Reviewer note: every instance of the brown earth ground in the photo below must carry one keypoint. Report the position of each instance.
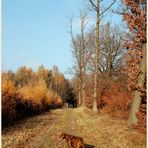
(98, 131)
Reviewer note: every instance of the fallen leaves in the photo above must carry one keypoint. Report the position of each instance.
(100, 131)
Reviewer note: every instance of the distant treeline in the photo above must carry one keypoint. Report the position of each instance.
(26, 93)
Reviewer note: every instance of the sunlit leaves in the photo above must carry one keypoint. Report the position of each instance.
(135, 17)
(27, 92)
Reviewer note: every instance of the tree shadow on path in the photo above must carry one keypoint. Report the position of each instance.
(89, 146)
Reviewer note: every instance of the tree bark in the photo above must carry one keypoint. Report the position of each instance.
(95, 109)
(80, 96)
(137, 94)
(79, 46)
(83, 15)
(84, 88)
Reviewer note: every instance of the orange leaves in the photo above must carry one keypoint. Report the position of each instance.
(50, 97)
(115, 98)
(58, 101)
(53, 98)
(127, 16)
(136, 19)
(34, 92)
(7, 85)
(29, 93)
(9, 97)
(38, 93)
(133, 58)
(23, 76)
(135, 16)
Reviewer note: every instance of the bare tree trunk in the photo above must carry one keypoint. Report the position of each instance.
(84, 88)
(95, 109)
(99, 16)
(80, 96)
(79, 47)
(137, 94)
(83, 56)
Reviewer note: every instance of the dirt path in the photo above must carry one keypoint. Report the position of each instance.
(97, 131)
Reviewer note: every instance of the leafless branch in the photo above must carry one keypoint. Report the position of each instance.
(107, 8)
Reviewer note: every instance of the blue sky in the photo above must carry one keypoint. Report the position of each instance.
(35, 32)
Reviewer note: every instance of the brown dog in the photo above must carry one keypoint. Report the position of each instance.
(73, 141)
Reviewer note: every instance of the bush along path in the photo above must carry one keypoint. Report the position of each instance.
(98, 131)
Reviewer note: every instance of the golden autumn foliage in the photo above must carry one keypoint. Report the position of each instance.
(9, 96)
(34, 92)
(39, 94)
(33, 97)
(7, 85)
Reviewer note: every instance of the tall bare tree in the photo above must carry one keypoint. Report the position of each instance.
(96, 6)
(81, 54)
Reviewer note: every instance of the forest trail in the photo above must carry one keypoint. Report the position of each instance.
(98, 131)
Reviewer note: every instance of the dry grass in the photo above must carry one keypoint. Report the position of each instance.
(98, 131)
(104, 132)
